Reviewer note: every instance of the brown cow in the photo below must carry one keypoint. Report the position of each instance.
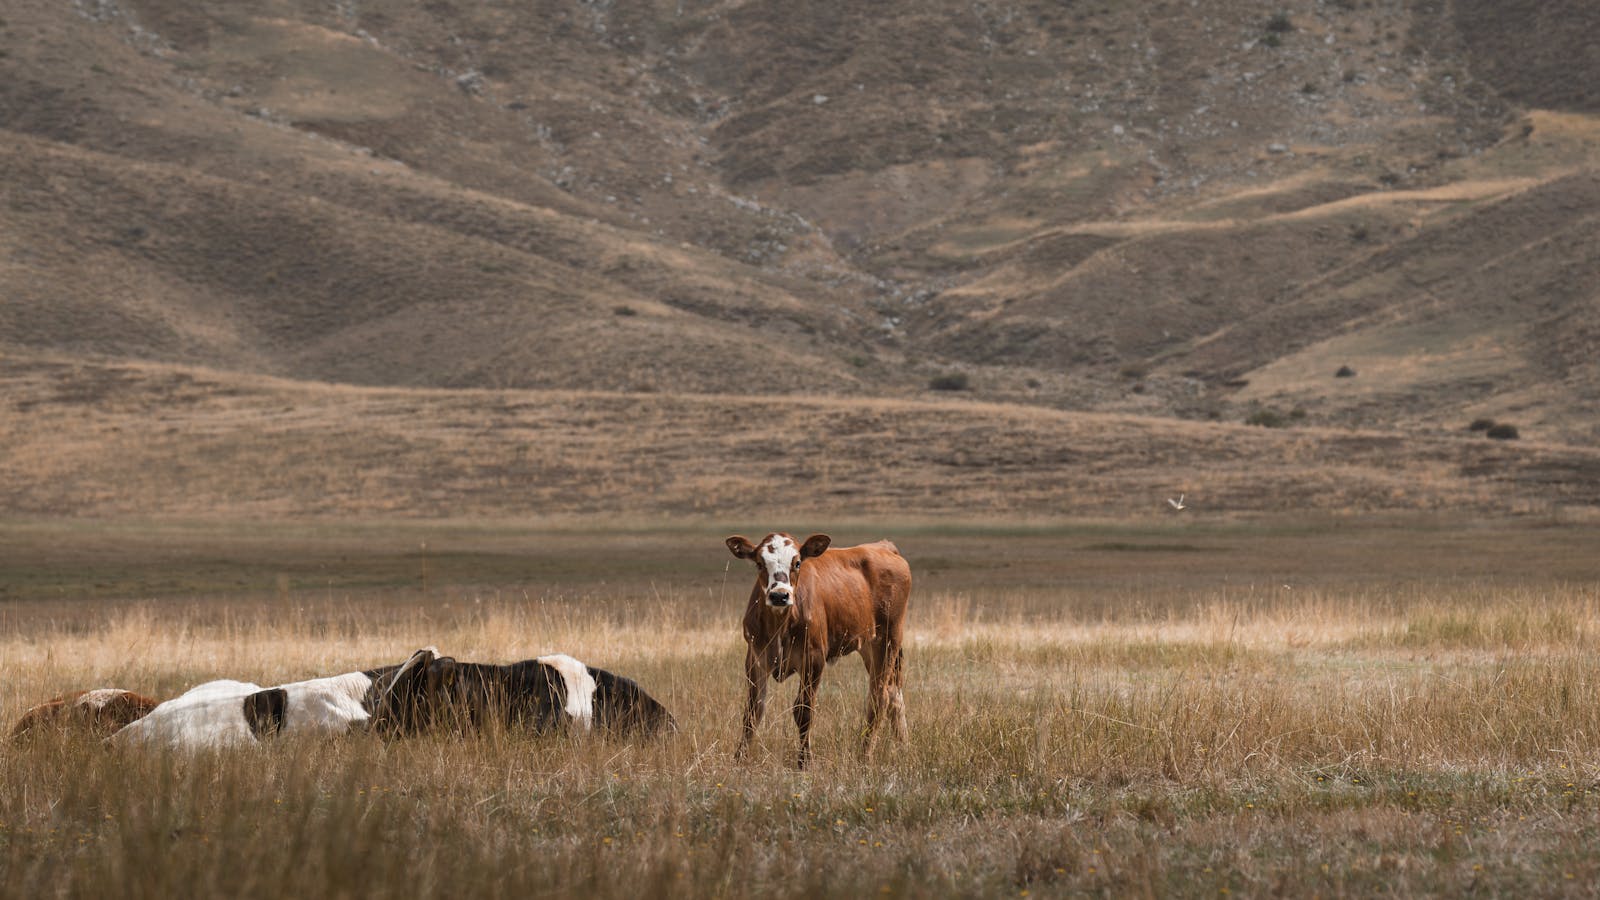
(810, 606)
(100, 712)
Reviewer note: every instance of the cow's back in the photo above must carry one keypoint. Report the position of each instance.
(522, 694)
(863, 591)
(100, 711)
(211, 714)
(880, 567)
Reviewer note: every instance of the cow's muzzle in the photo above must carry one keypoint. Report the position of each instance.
(779, 597)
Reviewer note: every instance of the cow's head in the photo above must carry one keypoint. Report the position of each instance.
(778, 560)
(398, 698)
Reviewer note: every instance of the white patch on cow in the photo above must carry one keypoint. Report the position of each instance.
(207, 715)
(212, 714)
(326, 704)
(777, 555)
(580, 686)
(98, 698)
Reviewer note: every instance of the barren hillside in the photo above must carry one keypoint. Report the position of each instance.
(1190, 209)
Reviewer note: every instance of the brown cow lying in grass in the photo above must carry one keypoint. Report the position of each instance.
(99, 712)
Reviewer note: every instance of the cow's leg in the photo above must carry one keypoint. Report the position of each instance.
(755, 704)
(895, 664)
(877, 695)
(805, 703)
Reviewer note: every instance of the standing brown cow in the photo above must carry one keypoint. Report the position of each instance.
(810, 606)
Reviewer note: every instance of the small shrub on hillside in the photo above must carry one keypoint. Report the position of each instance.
(1345, 372)
(624, 310)
(1267, 417)
(1503, 432)
(1279, 23)
(950, 381)
(1481, 425)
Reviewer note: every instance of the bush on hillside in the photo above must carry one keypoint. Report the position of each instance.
(1503, 432)
(1267, 417)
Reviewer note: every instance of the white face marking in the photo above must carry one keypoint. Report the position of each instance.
(580, 686)
(776, 556)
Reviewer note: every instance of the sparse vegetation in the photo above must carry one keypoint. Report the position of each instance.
(89, 445)
(498, 241)
(1344, 372)
(1184, 721)
(1502, 431)
(591, 266)
(1481, 425)
(1268, 417)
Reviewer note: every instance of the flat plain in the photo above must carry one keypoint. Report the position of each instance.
(1185, 706)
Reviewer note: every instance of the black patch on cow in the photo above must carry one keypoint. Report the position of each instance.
(528, 695)
(621, 706)
(397, 705)
(264, 711)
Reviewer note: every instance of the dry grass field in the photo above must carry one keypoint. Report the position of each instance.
(151, 440)
(333, 330)
(1311, 707)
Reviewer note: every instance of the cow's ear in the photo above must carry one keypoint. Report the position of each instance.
(442, 673)
(740, 546)
(815, 545)
(419, 660)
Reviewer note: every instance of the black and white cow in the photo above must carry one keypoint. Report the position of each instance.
(230, 713)
(542, 695)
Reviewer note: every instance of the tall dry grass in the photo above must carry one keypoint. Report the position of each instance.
(1431, 737)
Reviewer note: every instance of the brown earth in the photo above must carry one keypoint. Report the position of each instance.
(1120, 219)
(150, 440)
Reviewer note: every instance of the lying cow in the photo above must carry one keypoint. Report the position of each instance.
(810, 606)
(541, 695)
(98, 712)
(229, 713)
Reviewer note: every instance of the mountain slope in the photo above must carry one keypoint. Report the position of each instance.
(1184, 209)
